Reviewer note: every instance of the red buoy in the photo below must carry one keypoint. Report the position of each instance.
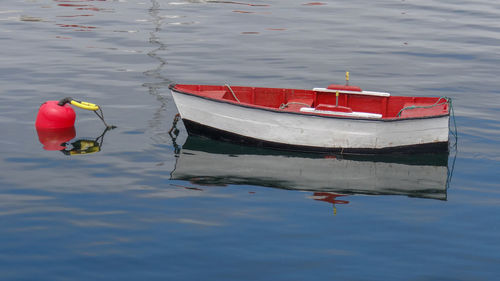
(51, 115)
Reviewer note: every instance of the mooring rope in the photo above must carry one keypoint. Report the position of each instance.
(454, 147)
(283, 106)
(234, 95)
(455, 132)
(101, 116)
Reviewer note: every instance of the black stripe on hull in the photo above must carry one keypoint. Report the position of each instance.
(197, 129)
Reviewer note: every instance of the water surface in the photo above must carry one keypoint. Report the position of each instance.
(154, 205)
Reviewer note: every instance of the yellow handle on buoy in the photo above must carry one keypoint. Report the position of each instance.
(85, 105)
(347, 77)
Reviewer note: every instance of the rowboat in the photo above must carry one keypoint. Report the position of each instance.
(339, 118)
(205, 162)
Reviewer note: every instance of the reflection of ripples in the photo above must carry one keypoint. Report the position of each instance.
(314, 4)
(77, 27)
(160, 82)
(80, 6)
(222, 2)
(154, 39)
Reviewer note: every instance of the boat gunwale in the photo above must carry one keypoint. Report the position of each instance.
(265, 108)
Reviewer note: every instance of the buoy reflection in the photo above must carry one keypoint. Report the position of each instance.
(54, 139)
(64, 140)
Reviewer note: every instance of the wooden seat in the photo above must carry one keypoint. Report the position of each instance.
(341, 113)
(329, 107)
(211, 94)
(214, 94)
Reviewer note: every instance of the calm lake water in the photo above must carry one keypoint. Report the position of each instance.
(154, 205)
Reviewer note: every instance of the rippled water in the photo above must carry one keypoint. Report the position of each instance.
(154, 205)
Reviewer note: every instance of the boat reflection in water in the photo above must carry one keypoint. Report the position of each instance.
(207, 162)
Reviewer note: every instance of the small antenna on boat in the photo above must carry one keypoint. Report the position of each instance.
(347, 78)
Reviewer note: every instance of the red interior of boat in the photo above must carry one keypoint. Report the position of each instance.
(293, 100)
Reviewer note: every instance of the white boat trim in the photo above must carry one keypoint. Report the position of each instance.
(366, 93)
(349, 114)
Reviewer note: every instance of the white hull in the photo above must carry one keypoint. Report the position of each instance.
(311, 131)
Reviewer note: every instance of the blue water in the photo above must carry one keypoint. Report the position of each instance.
(145, 207)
